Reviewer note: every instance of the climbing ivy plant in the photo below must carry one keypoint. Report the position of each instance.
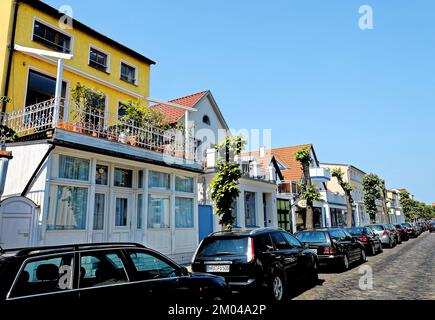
(224, 186)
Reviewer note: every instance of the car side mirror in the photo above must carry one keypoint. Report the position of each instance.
(184, 272)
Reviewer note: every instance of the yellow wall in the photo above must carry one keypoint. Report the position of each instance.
(80, 46)
(6, 20)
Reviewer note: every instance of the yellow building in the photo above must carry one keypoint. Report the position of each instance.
(120, 73)
(81, 178)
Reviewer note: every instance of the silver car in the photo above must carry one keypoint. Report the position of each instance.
(385, 235)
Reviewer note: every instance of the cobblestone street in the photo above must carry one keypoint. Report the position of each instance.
(405, 272)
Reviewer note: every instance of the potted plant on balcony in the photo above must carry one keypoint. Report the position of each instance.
(138, 115)
(89, 105)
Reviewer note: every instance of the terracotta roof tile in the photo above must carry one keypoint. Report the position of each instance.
(173, 114)
(286, 156)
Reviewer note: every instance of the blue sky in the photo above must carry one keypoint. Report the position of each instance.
(302, 68)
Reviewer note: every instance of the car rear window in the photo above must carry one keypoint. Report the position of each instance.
(356, 231)
(406, 225)
(377, 228)
(312, 237)
(223, 247)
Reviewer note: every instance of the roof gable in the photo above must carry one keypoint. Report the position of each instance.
(172, 114)
(286, 156)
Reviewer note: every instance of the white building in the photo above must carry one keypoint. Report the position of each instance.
(95, 187)
(256, 206)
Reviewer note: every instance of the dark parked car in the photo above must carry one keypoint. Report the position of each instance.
(334, 247)
(402, 232)
(266, 257)
(395, 233)
(368, 237)
(410, 229)
(432, 226)
(116, 273)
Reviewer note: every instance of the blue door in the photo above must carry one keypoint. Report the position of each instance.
(205, 221)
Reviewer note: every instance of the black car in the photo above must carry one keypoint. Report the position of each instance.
(432, 226)
(368, 238)
(111, 272)
(404, 236)
(334, 247)
(410, 230)
(264, 258)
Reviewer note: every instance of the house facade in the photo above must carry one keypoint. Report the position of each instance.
(396, 214)
(354, 176)
(291, 210)
(256, 205)
(87, 174)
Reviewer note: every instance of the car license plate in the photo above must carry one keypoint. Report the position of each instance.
(218, 268)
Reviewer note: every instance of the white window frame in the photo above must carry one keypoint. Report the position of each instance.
(136, 72)
(37, 19)
(92, 46)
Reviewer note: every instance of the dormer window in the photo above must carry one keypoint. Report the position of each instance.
(206, 120)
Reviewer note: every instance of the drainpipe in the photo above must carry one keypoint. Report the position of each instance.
(10, 53)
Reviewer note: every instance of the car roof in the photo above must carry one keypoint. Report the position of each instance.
(34, 251)
(247, 233)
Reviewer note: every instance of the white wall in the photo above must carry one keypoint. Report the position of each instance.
(209, 134)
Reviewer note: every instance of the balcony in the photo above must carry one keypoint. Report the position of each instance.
(320, 175)
(37, 120)
(288, 187)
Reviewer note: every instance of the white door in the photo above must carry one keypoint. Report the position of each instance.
(122, 207)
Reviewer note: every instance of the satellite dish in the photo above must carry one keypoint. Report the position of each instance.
(302, 204)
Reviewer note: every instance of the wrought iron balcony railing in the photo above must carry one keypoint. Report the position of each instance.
(100, 124)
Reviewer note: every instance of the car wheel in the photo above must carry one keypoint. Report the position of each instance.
(363, 257)
(390, 244)
(373, 250)
(345, 263)
(278, 288)
(380, 248)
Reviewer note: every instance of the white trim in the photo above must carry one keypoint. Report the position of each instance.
(71, 45)
(92, 46)
(88, 76)
(136, 71)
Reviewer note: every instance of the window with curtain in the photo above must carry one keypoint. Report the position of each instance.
(184, 184)
(159, 180)
(123, 178)
(139, 210)
(102, 175)
(99, 206)
(121, 212)
(184, 213)
(250, 209)
(67, 208)
(158, 212)
(73, 168)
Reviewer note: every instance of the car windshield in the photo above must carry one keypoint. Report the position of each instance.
(356, 231)
(377, 228)
(398, 226)
(223, 247)
(312, 237)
